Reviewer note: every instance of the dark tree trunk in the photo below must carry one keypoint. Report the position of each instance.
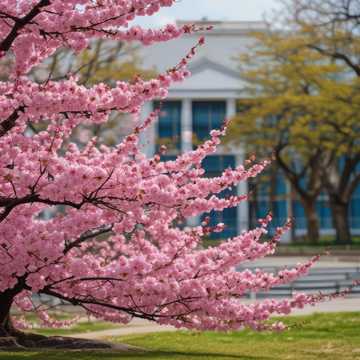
(340, 184)
(340, 218)
(11, 338)
(291, 198)
(254, 205)
(313, 227)
(6, 300)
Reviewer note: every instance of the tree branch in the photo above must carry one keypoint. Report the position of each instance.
(86, 236)
(20, 23)
(10, 122)
(339, 56)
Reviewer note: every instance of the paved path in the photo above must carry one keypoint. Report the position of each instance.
(137, 326)
(339, 305)
(144, 327)
(325, 261)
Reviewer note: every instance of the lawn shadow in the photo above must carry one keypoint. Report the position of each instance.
(197, 355)
(114, 355)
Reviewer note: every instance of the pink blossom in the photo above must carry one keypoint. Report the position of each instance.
(98, 227)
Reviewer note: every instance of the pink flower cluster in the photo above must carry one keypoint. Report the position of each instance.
(102, 227)
(72, 24)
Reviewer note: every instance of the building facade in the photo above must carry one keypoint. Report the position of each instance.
(201, 103)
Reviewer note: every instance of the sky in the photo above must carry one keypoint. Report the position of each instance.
(245, 10)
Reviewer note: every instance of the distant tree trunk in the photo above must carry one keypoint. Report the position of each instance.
(340, 184)
(313, 226)
(307, 194)
(340, 218)
(272, 190)
(254, 205)
(290, 204)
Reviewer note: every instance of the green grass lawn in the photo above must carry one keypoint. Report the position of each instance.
(320, 336)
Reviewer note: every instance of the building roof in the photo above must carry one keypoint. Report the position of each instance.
(216, 65)
(225, 27)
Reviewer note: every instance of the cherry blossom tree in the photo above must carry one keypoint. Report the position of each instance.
(113, 244)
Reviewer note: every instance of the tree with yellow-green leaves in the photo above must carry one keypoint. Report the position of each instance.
(332, 28)
(302, 107)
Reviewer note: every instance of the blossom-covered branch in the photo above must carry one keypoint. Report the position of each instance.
(101, 227)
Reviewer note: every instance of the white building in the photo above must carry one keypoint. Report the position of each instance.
(204, 100)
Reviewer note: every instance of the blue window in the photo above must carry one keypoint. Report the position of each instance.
(269, 195)
(279, 205)
(324, 212)
(207, 115)
(168, 157)
(169, 125)
(299, 215)
(355, 206)
(355, 209)
(322, 209)
(214, 166)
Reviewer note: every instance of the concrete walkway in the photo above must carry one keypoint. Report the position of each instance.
(338, 305)
(325, 261)
(139, 326)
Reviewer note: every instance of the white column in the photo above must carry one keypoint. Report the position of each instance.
(243, 208)
(148, 137)
(230, 108)
(186, 125)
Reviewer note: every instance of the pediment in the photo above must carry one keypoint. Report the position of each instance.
(205, 63)
(208, 75)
